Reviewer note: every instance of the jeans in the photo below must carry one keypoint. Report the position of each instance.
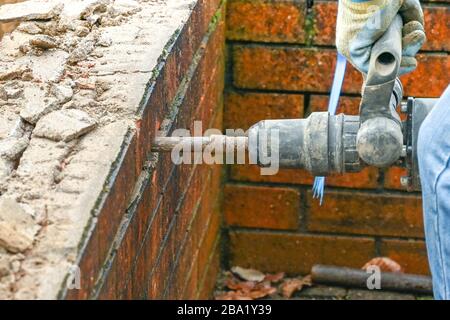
(434, 166)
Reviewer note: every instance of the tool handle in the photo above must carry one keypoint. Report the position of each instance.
(386, 55)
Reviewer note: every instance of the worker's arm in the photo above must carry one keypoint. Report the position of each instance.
(361, 23)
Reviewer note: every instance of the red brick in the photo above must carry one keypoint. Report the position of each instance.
(325, 14)
(242, 110)
(347, 105)
(266, 21)
(112, 205)
(392, 178)
(288, 68)
(430, 78)
(262, 207)
(296, 253)
(367, 213)
(367, 178)
(437, 28)
(212, 271)
(410, 254)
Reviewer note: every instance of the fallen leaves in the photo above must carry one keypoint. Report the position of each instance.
(250, 284)
(290, 286)
(385, 264)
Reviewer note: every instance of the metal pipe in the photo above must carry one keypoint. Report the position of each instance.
(229, 143)
(349, 277)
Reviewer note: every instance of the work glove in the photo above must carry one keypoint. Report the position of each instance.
(360, 23)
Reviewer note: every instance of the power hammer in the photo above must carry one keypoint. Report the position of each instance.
(323, 143)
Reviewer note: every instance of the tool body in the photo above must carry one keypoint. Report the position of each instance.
(324, 143)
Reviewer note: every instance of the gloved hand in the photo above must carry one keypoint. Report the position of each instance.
(361, 23)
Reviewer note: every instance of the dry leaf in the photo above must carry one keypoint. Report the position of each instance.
(385, 264)
(234, 284)
(262, 292)
(274, 278)
(248, 274)
(290, 286)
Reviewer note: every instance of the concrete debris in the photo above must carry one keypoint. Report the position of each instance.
(44, 42)
(17, 227)
(30, 27)
(11, 148)
(4, 265)
(104, 41)
(3, 93)
(64, 125)
(83, 49)
(94, 8)
(125, 7)
(13, 72)
(14, 92)
(63, 93)
(48, 67)
(6, 167)
(82, 31)
(37, 104)
(30, 10)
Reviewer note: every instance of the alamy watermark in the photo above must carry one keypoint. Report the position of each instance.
(374, 280)
(263, 148)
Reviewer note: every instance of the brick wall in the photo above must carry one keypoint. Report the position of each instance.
(281, 59)
(157, 235)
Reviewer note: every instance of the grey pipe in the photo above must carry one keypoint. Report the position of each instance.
(350, 277)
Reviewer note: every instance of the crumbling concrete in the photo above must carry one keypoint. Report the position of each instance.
(72, 77)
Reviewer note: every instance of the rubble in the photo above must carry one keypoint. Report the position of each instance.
(30, 10)
(82, 51)
(37, 104)
(11, 148)
(12, 72)
(64, 125)
(62, 92)
(30, 27)
(44, 42)
(4, 265)
(17, 227)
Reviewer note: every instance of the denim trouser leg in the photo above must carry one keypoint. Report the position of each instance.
(434, 164)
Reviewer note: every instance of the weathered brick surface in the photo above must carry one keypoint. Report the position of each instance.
(306, 69)
(279, 21)
(261, 207)
(288, 69)
(412, 255)
(297, 253)
(367, 179)
(287, 21)
(430, 78)
(368, 214)
(392, 178)
(245, 109)
(347, 105)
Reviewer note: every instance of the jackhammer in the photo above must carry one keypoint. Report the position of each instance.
(324, 144)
